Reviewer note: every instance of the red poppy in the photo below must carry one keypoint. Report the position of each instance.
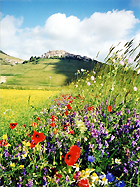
(109, 108)
(13, 125)
(3, 143)
(76, 149)
(83, 183)
(24, 125)
(97, 96)
(72, 156)
(70, 102)
(65, 126)
(34, 124)
(76, 175)
(38, 119)
(33, 144)
(52, 124)
(66, 113)
(38, 137)
(63, 95)
(53, 118)
(53, 173)
(71, 132)
(55, 131)
(69, 107)
(79, 96)
(90, 108)
(69, 97)
(58, 175)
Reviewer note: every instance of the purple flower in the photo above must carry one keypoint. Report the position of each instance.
(67, 178)
(133, 143)
(91, 158)
(122, 62)
(125, 170)
(106, 144)
(94, 133)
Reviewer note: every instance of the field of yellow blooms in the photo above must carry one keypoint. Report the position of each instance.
(20, 105)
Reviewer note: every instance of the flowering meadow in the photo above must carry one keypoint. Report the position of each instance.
(87, 137)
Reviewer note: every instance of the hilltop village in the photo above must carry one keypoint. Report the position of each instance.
(64, 54)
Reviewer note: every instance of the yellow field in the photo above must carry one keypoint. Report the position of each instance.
(15, 105)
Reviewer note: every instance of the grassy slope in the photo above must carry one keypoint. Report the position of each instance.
(4, 55)
(37, 76)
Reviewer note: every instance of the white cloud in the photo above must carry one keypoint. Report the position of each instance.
(84, 37)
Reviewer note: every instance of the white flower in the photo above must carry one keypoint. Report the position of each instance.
(114, 60)
(76, 85)
(92, 78)
(117, 161)
(135, 88)
(101, 84)
(94, 72)
(80, 124)
(76, 166)
(138, 72)
(130, 60)
(94, 177)
(103, 180)
(88, 83)
(82, 70)
(24, 156)
(50, 77)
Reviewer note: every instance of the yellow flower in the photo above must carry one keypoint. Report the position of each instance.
(4, 136)
(12, 164)
(21, 166)
(85, 138)
(8, 145)
(28, 144)
(94, 175)
(24, 142)
(92, 169)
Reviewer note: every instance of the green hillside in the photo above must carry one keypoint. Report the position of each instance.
(47, 73)
(6, 59)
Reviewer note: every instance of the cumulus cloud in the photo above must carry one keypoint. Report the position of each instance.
(84, 37)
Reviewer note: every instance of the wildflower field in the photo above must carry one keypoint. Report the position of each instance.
(87, 136)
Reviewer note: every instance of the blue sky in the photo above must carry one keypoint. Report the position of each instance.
(36, 26)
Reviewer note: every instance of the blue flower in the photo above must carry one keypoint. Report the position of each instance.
(91, 158)
(110, 177)
(120, 184)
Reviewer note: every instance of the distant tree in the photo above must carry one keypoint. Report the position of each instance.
(34, 60)
(26, 61)
(31, 59)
